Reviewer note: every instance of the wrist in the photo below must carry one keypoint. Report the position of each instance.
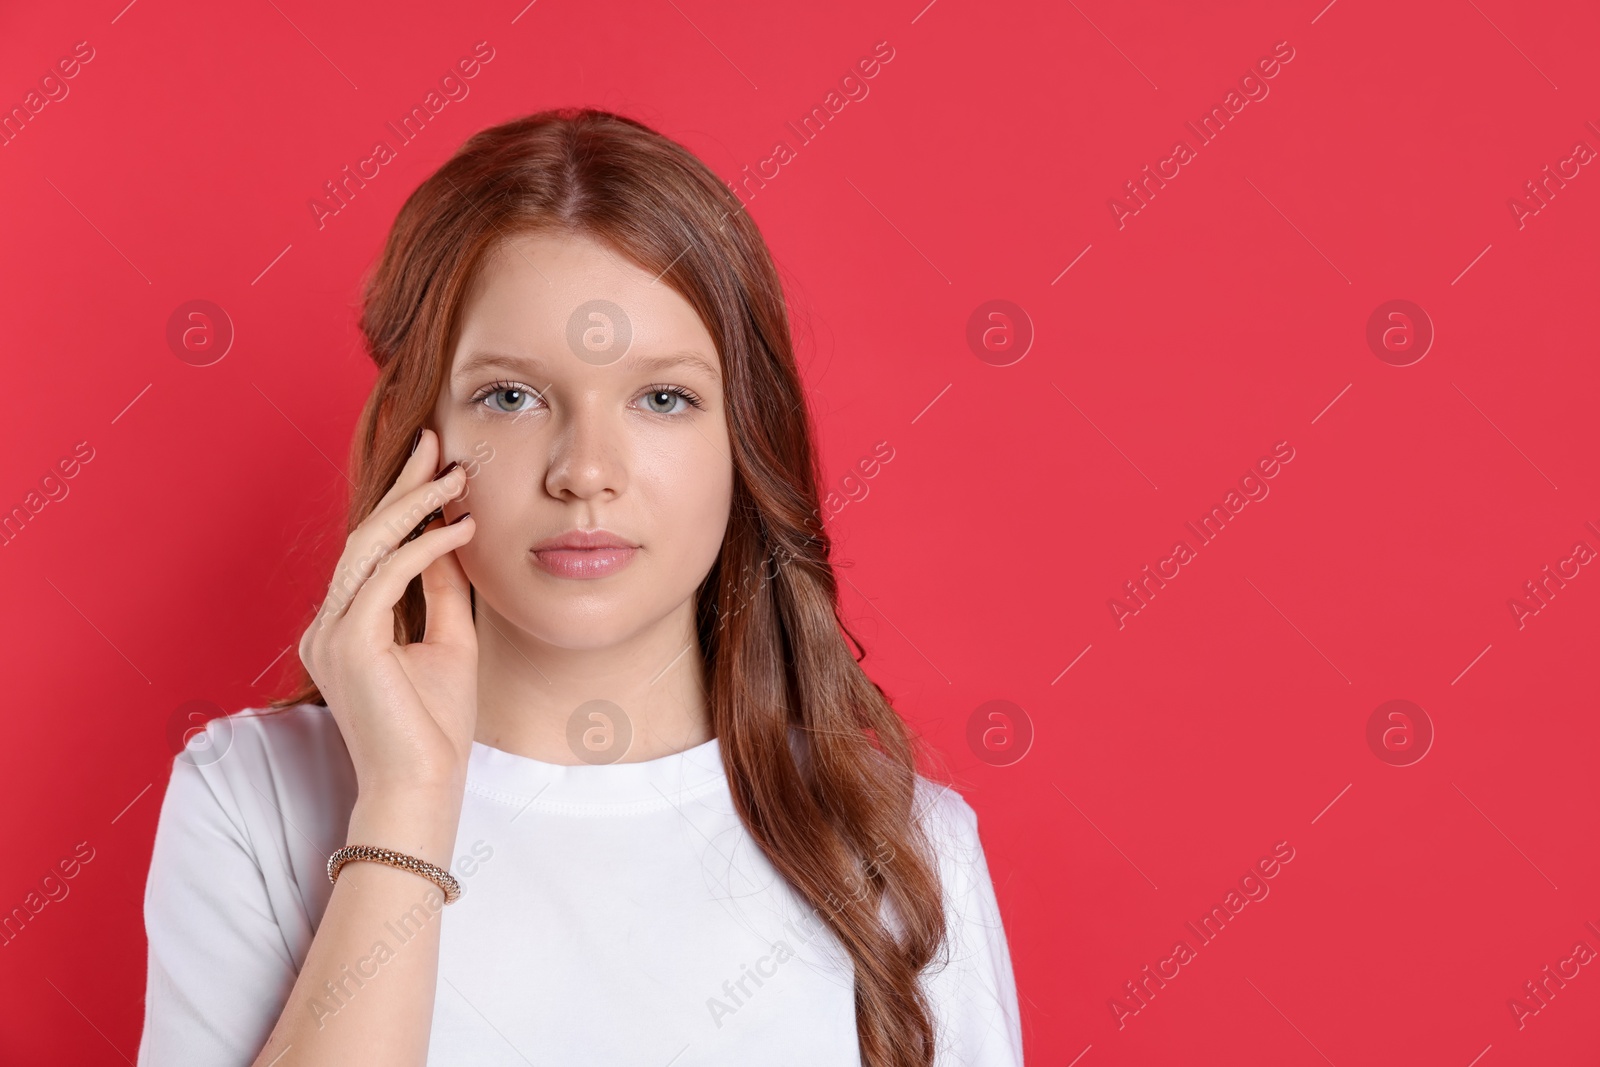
(418, 822)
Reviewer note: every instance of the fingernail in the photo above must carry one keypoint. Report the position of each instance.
(453, 465)
(458, 518)
(416, 439)
(417, 531)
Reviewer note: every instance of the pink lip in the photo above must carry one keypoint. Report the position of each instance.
(583, 554)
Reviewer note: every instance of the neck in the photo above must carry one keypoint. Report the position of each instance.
(576, 706)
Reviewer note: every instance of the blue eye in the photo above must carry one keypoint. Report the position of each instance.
(509, 398)
(665, 397)
(669, 395)
(514, 398)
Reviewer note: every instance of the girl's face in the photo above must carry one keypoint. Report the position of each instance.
(584, 395)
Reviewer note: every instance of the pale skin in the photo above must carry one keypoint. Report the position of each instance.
(572, 442)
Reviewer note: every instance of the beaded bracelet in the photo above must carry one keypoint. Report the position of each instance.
(438, 875)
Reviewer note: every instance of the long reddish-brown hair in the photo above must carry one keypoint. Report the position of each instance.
(839, 821)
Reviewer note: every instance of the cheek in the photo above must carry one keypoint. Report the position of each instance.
(683, 508)
(499, 498)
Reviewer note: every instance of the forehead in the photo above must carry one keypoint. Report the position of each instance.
(543, 294)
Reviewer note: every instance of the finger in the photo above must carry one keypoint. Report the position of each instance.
(418, 467)
(448, 594)
(381, 533)
(371, 612)
(406, 515)
(348, 572)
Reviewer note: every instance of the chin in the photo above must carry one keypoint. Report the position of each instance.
(575, 615)
(583, 633)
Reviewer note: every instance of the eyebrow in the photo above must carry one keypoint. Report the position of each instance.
(478, 361)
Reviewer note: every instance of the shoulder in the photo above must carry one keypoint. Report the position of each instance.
(969, 980)
(237, 881)
(948, 826)
(256, 742)
(950, 823)
(299, 722)
(266, 767)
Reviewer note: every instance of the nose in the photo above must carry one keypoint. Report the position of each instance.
(586, 454)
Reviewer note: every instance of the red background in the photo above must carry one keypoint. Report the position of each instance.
(1228, 315)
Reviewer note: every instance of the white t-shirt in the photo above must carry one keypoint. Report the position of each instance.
(611, 914)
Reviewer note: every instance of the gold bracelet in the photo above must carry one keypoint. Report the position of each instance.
(438, 875)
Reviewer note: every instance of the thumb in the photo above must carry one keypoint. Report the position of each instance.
(448, 596)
